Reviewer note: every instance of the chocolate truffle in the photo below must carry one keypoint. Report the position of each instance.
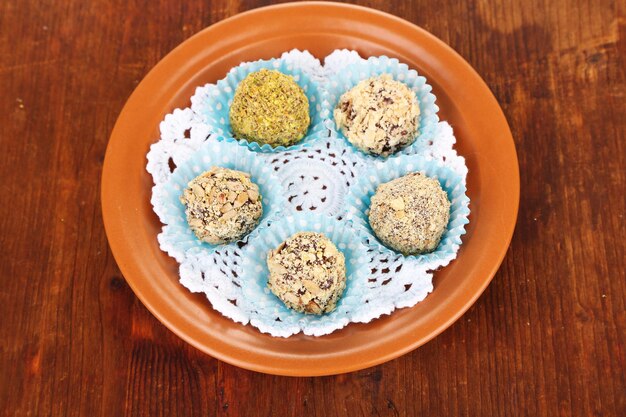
(378, 115)
(269, 107)
(222, 205)
(307, 273)
(410, 213)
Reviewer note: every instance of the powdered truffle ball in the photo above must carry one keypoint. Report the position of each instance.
(379, 115)
(307, 273)
(410, 213)
(270, 107)
(222, 205)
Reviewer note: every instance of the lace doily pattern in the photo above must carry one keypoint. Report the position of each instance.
(218, 276)
(182, 133)
(392, 282)
(316, 181)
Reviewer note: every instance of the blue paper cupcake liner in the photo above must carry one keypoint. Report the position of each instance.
(176, 237)
(384, 171)
(273, 316)
(352, 74)
(212, 103)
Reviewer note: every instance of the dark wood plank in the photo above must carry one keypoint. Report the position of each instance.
(546, 338)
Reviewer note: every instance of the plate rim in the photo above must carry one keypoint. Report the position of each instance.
(112, 224)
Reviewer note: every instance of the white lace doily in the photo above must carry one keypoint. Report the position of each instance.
(315, 178)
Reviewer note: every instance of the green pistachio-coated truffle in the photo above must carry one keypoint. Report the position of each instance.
(270, 107)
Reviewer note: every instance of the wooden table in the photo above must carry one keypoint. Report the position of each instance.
(546, 338)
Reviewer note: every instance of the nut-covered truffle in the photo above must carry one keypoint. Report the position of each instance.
(222, 205)
(307, 273)
(410, 213)
(378, 115)
(270, 107)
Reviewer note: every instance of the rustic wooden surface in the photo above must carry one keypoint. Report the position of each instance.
(546, 338)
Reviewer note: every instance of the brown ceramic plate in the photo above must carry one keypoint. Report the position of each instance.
(466, 103)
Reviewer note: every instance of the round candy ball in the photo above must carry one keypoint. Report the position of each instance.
(307, 273)
(269, 107)
(222, 205)
(378, 115)
(410, 213)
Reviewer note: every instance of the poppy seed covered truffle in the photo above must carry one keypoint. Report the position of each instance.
(410, 213)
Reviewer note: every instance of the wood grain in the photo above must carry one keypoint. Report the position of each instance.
(546, 338)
